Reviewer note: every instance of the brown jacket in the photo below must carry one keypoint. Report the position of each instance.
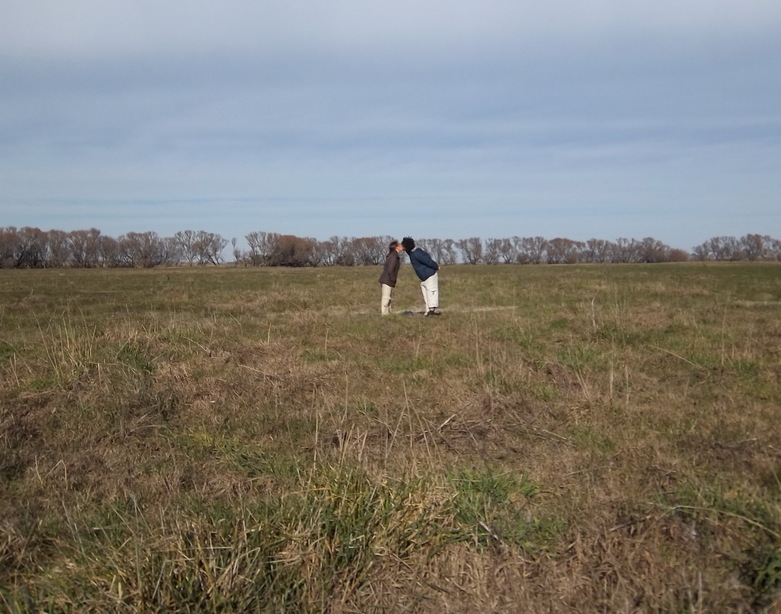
(391, 269)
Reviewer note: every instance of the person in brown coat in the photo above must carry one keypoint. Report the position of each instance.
(388, 276)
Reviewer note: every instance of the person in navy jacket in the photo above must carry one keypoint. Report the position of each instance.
(427, 271)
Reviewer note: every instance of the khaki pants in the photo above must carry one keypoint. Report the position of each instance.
(430, 289)
(386, 300)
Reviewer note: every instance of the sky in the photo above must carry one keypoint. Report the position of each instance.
(429, 118)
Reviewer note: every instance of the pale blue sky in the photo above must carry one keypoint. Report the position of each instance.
(445, 119)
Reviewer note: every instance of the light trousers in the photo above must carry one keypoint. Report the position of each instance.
(386, 299)
(430, 288)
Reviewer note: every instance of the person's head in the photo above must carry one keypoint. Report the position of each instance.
(408, 243)
(394, 246)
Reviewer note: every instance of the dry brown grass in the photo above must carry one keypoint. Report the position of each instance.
(574, 439)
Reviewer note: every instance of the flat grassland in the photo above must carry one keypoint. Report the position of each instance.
(562, 439)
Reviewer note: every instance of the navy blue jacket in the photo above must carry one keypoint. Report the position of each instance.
(422, 263)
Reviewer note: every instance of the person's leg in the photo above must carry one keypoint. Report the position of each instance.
(430, 289)
(424, 290)
(386, 300)
(434, 291)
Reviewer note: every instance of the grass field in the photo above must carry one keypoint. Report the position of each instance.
(563, 439)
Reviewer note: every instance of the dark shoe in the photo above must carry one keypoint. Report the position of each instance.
(433, 312)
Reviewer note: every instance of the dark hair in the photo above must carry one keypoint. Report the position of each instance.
(393, 245)
(408, 243)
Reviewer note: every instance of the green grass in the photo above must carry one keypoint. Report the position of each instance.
(573, 438)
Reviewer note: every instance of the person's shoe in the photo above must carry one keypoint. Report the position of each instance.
(433, 312)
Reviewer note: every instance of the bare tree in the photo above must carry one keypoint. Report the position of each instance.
(563, 251)
(56, 252)
(236, 250)
(651, 250)
(262, 245)
(326, 253)
(370, 250)
(773, 248)
(171, 252)
(443, 251)
(110, 252)
(208, 247)
(318, 254)
(623, 250)
(145, 249)
(471, 249)
(754, 246)
(530, 249)
(724, 248)
(343, 251)
(500, 250)
(597, 250)
(84, 247)
(678, 255)
(8, 240)
(292, 251)
(507, 251)
(186, 240)
(32, 247)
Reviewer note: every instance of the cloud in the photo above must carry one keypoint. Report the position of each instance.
(320, 118)
(149, 28)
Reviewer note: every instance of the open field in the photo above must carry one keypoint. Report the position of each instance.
(563, 439)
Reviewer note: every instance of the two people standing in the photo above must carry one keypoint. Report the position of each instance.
(425, 268)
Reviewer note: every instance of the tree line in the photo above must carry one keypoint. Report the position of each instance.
(34, 248)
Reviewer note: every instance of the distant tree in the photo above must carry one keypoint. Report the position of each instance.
(171, 252)
(651, 250)
(700, 252)
(772, 248)
(493, 250)
(597, 250)
(370, 250)
(471, 249)
(84, 246)
(624, 250)
(443, 251)
(144, 249)
(110, 252)
(8, 240)
(342, 251)
(725, 248)
(208, 247)
(755, 247)
(326, 253)
(262, 246)
(21, 247)
(319, 252)
(56, 253)
(678, 255)
(292, 251)
(531, 250)
(238, 254)
(563, 251)
(186, 240)
(722, 248)
(507, 251)
(31, 248)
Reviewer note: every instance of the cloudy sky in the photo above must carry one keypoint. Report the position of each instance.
(433, 118)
